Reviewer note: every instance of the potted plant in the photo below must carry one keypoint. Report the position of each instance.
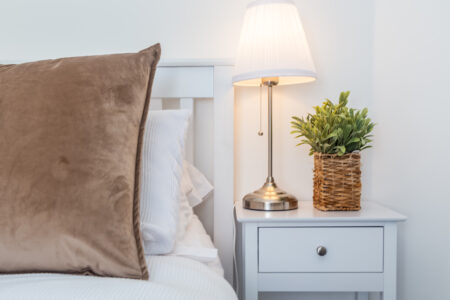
(336, 135)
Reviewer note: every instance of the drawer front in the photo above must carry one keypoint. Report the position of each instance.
(295, 249)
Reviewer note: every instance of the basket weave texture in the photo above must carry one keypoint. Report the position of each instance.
(337, 181)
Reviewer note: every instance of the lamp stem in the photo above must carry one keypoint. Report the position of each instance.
(270, 197)
(269, 103)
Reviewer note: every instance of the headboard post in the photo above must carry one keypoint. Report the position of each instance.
(224, 166)
(189, 81)
(188, 104)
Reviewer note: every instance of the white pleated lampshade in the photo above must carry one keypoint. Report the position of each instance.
(273, 44)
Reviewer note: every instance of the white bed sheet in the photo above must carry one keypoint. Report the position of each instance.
(172, 277)
(197, 245)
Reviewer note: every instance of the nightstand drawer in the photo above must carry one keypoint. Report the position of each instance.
(297, 249)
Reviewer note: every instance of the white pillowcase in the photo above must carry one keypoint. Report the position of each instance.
(201, 187)
(196, 243)
(185, 210)
(162, 169)
(195, 188)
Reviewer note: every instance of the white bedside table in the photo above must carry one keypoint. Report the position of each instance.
(308, 250)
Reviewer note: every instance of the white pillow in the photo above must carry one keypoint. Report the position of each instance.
(196, 243)
(194, 190)
(185, 211)
(162, 169)
(200, 186)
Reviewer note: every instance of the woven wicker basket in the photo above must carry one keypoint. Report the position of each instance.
(337, 181)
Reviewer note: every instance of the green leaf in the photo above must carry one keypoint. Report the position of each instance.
(354, 140)
(340, 150)
(334, 128)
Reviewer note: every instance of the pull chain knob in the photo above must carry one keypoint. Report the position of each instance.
(260, 132)
(321, 251)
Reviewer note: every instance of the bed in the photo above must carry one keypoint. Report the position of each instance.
(171, 277)
(203, 88)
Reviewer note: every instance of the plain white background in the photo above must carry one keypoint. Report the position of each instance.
(392, 54)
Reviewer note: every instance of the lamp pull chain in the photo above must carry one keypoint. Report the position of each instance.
(260, 132)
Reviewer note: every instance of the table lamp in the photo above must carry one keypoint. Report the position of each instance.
(273, 50)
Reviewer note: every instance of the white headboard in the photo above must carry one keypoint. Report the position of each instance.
(205, 88)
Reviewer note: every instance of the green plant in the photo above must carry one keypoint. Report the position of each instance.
(334, 128)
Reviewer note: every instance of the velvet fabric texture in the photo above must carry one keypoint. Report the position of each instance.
(71, 133)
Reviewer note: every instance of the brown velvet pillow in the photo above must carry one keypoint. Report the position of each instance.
(71, 134)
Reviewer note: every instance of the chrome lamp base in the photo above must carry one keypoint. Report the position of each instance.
(270, 198)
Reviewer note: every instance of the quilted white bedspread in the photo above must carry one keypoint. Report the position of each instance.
(171, 278)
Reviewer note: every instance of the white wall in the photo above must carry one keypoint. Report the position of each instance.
(410, 169)
(31, 30)
(392, 55)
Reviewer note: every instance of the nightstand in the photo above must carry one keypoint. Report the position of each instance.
(307, 250)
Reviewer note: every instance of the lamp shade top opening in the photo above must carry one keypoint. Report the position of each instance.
(273, 44)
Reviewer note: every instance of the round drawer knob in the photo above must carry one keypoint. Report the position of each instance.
(321, 251)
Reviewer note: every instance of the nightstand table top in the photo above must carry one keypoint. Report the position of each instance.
(370, 212)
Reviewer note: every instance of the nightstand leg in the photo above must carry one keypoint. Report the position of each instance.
(250, 246)
(362, 296)
(390, 262)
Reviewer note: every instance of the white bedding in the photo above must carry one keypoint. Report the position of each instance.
(197, 245)
(172, 277)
